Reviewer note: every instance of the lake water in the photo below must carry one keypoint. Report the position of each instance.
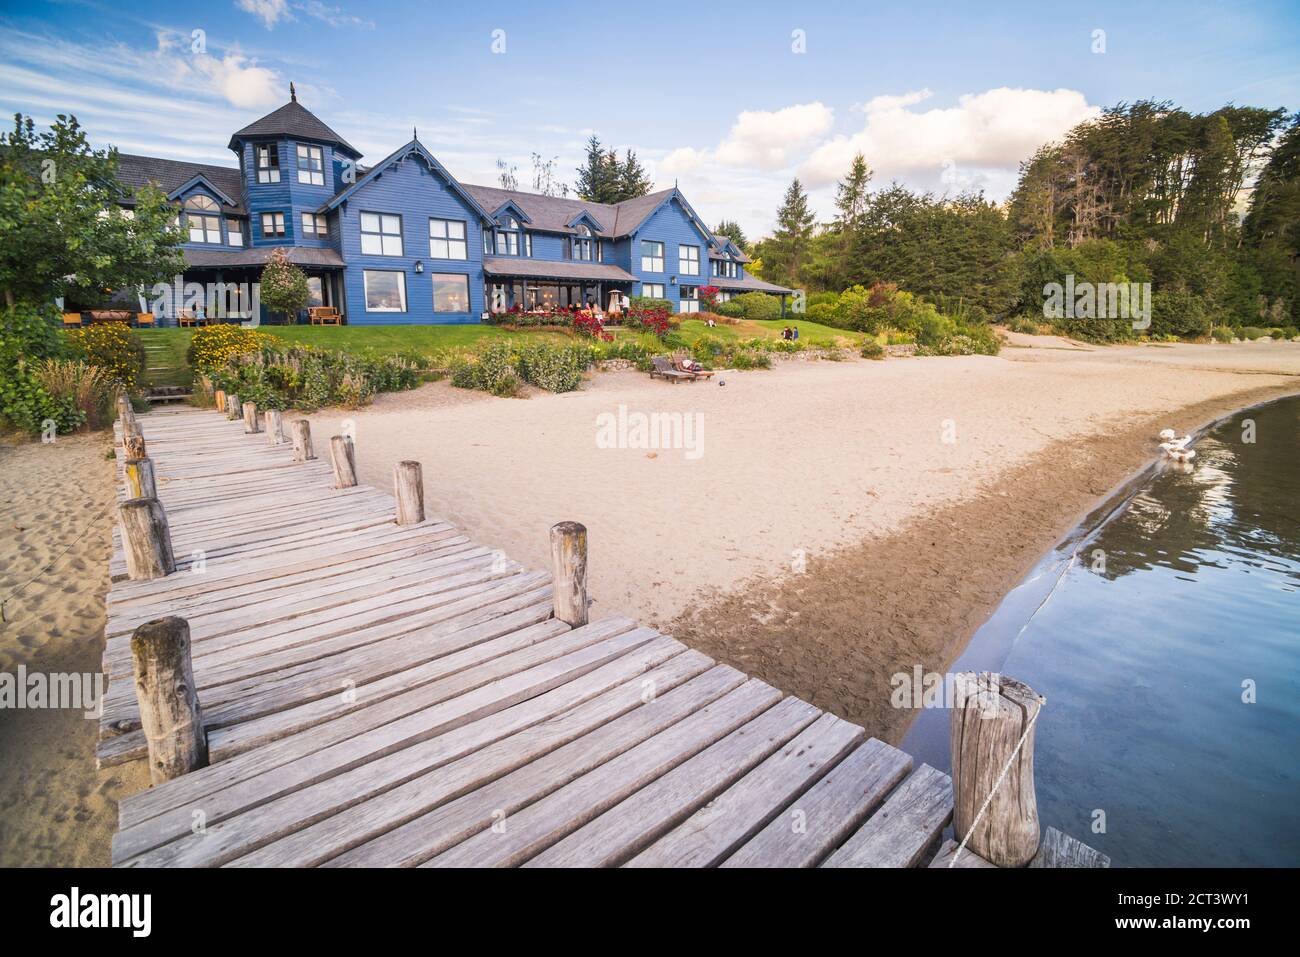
(1165, 635)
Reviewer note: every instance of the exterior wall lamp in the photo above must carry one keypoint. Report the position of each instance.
(419, 265)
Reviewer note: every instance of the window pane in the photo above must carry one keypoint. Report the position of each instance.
(315, 294)
(370, 244)
(369, 223)
(392, 245)
(457, 249)
(456, 230)
(385, 291)
(450, 293)
(392, 224)
(438, 228)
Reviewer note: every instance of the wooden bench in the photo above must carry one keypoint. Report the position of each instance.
(187, 317)
(145, 319)
(71, 319)
(323, 316)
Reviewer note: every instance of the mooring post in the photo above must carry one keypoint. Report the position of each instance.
(251, 422)
(219, 400)
(408, 485)
(302, 450)
(992, 728)
(169, 702)
(140, 482)
(125, 411)
(146, 539)
(233, 407)
(344, 456)
(133, 444)
(274, 426)
(569, 561)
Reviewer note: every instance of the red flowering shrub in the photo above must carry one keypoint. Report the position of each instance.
(652, 318)
(590, 325)
(709, 298)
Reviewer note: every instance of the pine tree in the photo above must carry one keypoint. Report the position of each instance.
(633, 180)
(594, 175)
(851, 195)
(732, 231)
(794, 230)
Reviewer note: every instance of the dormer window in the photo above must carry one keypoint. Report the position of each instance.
(311, 165)
(507, 237)
(582, 244)
(268, 163)
(203, 219)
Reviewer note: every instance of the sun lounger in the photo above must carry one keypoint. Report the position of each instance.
(679, 363)
(663, 367)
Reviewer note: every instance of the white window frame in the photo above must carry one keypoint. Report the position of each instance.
(235, 232)
(365, 279)
(646, 286)
(582, 247)
(275, 233)
(383, 240)
(684, 260)
(688, 303)
(650, 262)
(443, 231)
(313, 173)
(314, 224)
(270, 172)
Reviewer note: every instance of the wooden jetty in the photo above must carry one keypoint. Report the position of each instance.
(376, 693)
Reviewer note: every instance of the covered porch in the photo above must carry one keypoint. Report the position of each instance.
(228, 284)
(542, 286)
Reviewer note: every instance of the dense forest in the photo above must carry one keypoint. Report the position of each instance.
(1204, 207)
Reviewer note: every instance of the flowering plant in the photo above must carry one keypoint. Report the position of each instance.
(709, 298)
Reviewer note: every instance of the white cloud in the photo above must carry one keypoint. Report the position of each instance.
(270, 12)
(762, 139)
(240, 80)
(983, 135)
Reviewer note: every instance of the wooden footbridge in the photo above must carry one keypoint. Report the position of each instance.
(376, 693)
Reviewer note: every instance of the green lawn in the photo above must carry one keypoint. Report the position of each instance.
(165, 348)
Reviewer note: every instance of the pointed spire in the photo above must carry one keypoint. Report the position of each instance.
(293, 94)
(415, 134)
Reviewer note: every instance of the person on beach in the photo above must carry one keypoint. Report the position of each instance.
(795, 334)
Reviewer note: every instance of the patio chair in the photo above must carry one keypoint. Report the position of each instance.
(662, 367)
(679, 363)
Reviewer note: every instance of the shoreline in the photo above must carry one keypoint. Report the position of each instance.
(730, 629)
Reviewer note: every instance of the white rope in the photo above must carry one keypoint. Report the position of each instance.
(996, 784)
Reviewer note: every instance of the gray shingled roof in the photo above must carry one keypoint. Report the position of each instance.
(554, 213)
(134, 171)
(258, 256)
(547, 269)
(293, 119)
(748, 284)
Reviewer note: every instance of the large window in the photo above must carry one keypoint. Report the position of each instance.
(450, 292)
(385, 291)
(652, 256)
(272, 225)
(688, 260)
(381, 234)
(690, 299)
(654, 290)
(315, 291)
(447, 239)
(314, 224)
(582, 244)
(203, 217)
(311, 165)
(268, 163)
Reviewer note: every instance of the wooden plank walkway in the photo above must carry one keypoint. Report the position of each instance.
(376, 694)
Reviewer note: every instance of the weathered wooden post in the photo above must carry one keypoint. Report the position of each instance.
(146, 539)
(251, 422)
(133, 445)
(302, 450)
(408, 484)
(569, 561)
(274, 426)
(140, 482)
(992, 728)
(344, 456)
(169, 702)
(125, 411)
(233, 407)
(219, 400)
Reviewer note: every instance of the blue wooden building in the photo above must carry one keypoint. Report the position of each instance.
(403, 241)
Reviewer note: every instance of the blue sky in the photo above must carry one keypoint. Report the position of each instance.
(714, 96)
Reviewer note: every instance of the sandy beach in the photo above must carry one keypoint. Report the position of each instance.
(56, 809)
(824, 532)
(828, 523)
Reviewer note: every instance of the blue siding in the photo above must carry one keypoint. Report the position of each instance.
(671, 226)
(416, 193)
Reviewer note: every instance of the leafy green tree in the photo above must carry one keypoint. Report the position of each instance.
(284, 286)
(788, 249)
(1271, 231)
(65, 234)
